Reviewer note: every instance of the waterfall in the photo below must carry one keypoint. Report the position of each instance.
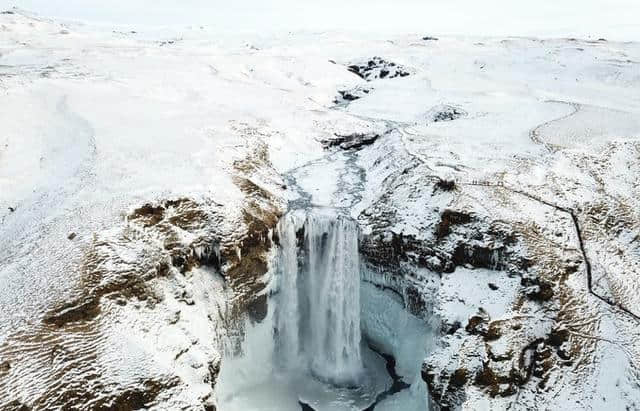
(287, 320)
(318, 311)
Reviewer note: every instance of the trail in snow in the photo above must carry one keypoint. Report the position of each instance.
(534, 134)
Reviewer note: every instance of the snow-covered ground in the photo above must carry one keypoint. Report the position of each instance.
(143, 169)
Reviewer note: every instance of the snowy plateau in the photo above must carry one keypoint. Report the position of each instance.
(193, 219)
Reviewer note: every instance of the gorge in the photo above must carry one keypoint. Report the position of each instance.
(315, 329)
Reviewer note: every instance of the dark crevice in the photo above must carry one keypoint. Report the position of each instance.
(398, 383)
(304, 406)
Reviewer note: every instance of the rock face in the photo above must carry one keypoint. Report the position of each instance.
(540, 320)
(127, 274)
(157, 296)
(514, 351)
(506, 245)
(166, 256)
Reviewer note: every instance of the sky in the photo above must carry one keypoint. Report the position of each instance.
(612, 19)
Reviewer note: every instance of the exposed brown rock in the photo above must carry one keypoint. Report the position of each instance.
(446, 390)
(5, 366)
(414, 301)
(148, 214)
(244, 260)
(494, 383)
(134, 281)
(449, 218)
(537, 289)
(74, 311)
(136, 397)
(445, 185)
(478, 324)
(378, 68)
(16, 405)
(213, 368)
(244, 269)
(493, 332)
(459, 240)
(558, 336)
(459, 377)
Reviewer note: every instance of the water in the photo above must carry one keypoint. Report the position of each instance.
(309, 348)
(287, 320)
(318, 310)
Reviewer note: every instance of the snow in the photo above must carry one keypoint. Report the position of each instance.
(96, 122)
(461, 299)
(591, 18)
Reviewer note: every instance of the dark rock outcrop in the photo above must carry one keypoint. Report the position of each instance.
(346, 96)
(378, 68)
(445, 113)
(446, 390)
(459, 239)
(352, 141)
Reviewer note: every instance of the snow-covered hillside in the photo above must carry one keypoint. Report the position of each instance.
(143, 172)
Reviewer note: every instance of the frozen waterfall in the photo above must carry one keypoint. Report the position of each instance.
(318, 312)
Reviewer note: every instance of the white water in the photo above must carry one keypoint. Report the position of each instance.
(287, 321)
(318, 307)
(309, 347)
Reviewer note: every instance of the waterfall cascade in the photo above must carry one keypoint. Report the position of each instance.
(318, 312)
(309, 352)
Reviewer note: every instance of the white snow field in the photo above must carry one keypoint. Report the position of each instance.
(482, 161)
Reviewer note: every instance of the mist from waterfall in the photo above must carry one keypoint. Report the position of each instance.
(310, 348)
(318, 311)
